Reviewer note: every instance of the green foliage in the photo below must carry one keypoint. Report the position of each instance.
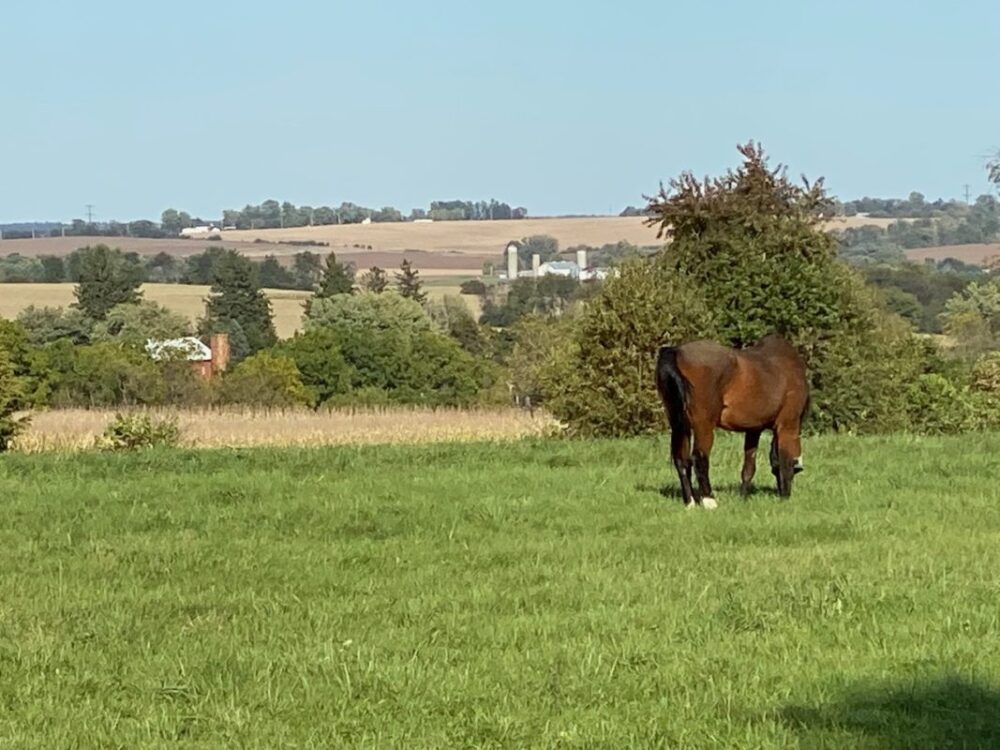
(972, 316)
(936, 405)
(918, 293)
(368, 311)
(106, 278)
(505, 304)
(748, 257)
(338, 278)
(985, 383)
(173, 221)
(14, 342)
(137, 430)
(320, 363)
(273, 275)
(473, 286)
(266, 379)
(408, 283)
(44, 325)
(389, 344)
(202, 268)
(307, 269)
(135, 323)
(104, 374)
(236, 297)
(18, 269)
(11, 400)
(452, 315)
(375, 280)
(603, 384)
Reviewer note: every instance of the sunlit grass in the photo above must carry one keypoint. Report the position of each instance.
(527, 594)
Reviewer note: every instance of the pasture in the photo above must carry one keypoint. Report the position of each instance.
(486, 595)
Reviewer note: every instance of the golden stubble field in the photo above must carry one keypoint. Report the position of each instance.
(189, 300)
(78, 429)
(485, 237)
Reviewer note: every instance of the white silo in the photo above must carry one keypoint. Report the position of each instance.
(512, 261)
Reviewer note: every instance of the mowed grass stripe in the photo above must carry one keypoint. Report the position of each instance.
(532, 594)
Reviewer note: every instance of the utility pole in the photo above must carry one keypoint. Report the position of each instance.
(90, 213)
(966, 194)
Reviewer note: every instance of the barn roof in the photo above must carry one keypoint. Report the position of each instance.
(188, 348)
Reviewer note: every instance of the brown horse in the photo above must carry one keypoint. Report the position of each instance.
(705, 385)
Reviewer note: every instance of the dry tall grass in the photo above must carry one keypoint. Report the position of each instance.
(75, 429)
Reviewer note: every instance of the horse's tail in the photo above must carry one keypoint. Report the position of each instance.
(674, 389)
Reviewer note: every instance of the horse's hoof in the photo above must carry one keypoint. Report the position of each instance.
(708, 503)
(690, 506)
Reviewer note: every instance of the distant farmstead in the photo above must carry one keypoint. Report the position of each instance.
(206, 361)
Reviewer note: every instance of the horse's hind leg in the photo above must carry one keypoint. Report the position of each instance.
(750, 443)
(680, 452)
(704, 436)
(786, 456)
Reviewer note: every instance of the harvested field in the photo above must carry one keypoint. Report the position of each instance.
(75, 429)
(980, 254)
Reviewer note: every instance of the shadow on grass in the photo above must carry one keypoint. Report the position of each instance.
(948, 713)
(730, 491)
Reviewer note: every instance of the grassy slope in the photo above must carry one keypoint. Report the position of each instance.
(525, 595)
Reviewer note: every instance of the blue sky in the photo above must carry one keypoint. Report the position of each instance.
(563, 107)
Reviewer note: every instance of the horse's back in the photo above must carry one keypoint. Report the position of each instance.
(744, 389)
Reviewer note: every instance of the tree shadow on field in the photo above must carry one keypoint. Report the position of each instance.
(948, 713)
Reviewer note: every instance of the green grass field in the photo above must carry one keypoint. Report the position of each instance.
(534, 594)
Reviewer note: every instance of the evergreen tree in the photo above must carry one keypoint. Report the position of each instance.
(376, 280)
(237, 297)
(107, 278)
(408, 283)
(338, 278)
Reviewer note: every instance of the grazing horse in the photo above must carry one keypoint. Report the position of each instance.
(705, 385)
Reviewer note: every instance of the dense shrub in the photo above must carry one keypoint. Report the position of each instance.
(473, 286)
(265, 379)
(11, 399)
(131, 431)
(45, 325)
(368, 311)
(104, 374)
(135, 323)
(748, 256)
(936, 404)
(320, 363)
(596, 374)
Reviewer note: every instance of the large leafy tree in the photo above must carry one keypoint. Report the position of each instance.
(107, 278)
(135, 324)
(236, 297)
(747, 256)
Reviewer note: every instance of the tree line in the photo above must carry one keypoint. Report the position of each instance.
(747, 255)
